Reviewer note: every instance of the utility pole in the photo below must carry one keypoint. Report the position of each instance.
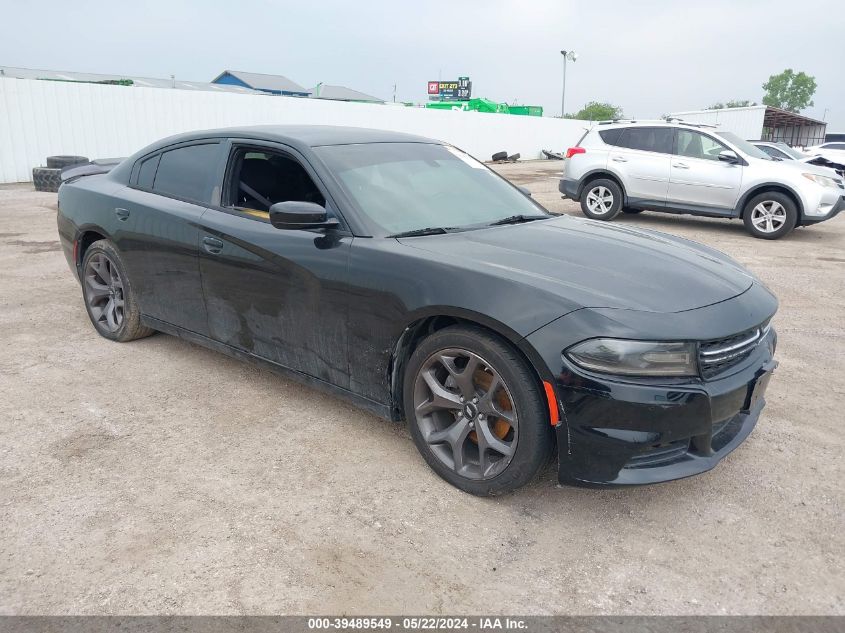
(394, 93)
(571, 56)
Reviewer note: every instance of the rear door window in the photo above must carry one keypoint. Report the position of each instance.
(187, 172)
(648, 139)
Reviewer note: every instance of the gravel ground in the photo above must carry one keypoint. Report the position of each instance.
(160, 477)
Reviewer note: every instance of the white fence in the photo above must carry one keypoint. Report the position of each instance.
(44, 118)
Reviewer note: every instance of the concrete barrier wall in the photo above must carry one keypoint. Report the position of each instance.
(43, 118)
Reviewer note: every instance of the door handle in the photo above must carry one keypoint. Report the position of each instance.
(619, 159)
(680, 165)
(212, 245)
(122, 214)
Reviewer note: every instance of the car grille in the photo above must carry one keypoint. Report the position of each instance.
(714, 357)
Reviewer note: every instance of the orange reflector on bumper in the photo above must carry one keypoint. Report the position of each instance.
(554, 413)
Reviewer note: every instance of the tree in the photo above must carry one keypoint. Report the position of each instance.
(596, 111)
(733, 103)
(790, 91)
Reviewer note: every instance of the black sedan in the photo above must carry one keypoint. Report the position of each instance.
(402, 274)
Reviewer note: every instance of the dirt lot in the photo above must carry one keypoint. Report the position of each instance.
(159, 477)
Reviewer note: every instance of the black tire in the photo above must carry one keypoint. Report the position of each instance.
(781, 219)
(631, 211)
(500, 156)
(60, 162)
(46, 178)
(532, 436)
(129, 327)
(601, 193)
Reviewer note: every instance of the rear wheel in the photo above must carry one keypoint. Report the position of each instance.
(601, 199)
(770, 215)
(109, 298)
(475, 411)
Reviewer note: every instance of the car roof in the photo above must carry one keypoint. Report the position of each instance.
(302, 135)
(609, 125)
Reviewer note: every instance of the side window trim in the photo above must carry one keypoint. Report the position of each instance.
(136, 169)
(155, 157)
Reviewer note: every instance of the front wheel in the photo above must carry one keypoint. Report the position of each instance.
(109, 298)
(476, 412)
(601, 199)
(770, 215)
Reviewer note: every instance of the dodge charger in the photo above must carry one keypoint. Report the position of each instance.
(403, 275)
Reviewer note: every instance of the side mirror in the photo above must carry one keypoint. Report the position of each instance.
(728, 156)
(293, 215)
(525, 190)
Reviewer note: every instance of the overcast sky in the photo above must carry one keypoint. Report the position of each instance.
(650, 57)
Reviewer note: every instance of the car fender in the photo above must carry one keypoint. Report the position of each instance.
(607, 170)
(417, 327)
(762, 186)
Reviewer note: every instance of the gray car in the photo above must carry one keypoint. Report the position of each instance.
(678, 167)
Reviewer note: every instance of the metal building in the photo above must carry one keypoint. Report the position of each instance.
(341, 93)
(12, 72)
(763, 123)
(271, 84)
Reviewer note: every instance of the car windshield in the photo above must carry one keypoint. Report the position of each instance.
(406, 187)
(744, 146)
(786, 149)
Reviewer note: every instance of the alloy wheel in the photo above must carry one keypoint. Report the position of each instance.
(465, 413)
(600, 200)
(768, 216)
(104, 292)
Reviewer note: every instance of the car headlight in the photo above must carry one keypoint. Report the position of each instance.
(824, 181)
(635, 358)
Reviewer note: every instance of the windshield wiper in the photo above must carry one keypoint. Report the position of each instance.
(432, 230)
(517, 219)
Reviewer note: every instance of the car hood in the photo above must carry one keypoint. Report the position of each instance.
(593, 264)
(796, 167)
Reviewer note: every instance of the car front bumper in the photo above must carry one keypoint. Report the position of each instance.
(617, 431)
(617, 434)
(831, 213)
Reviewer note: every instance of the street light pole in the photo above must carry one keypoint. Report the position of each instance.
(571, 56)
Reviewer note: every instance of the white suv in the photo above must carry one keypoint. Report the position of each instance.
(680, 167)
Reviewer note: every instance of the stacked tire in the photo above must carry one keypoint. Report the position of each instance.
(50, 177)
(60, 162)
